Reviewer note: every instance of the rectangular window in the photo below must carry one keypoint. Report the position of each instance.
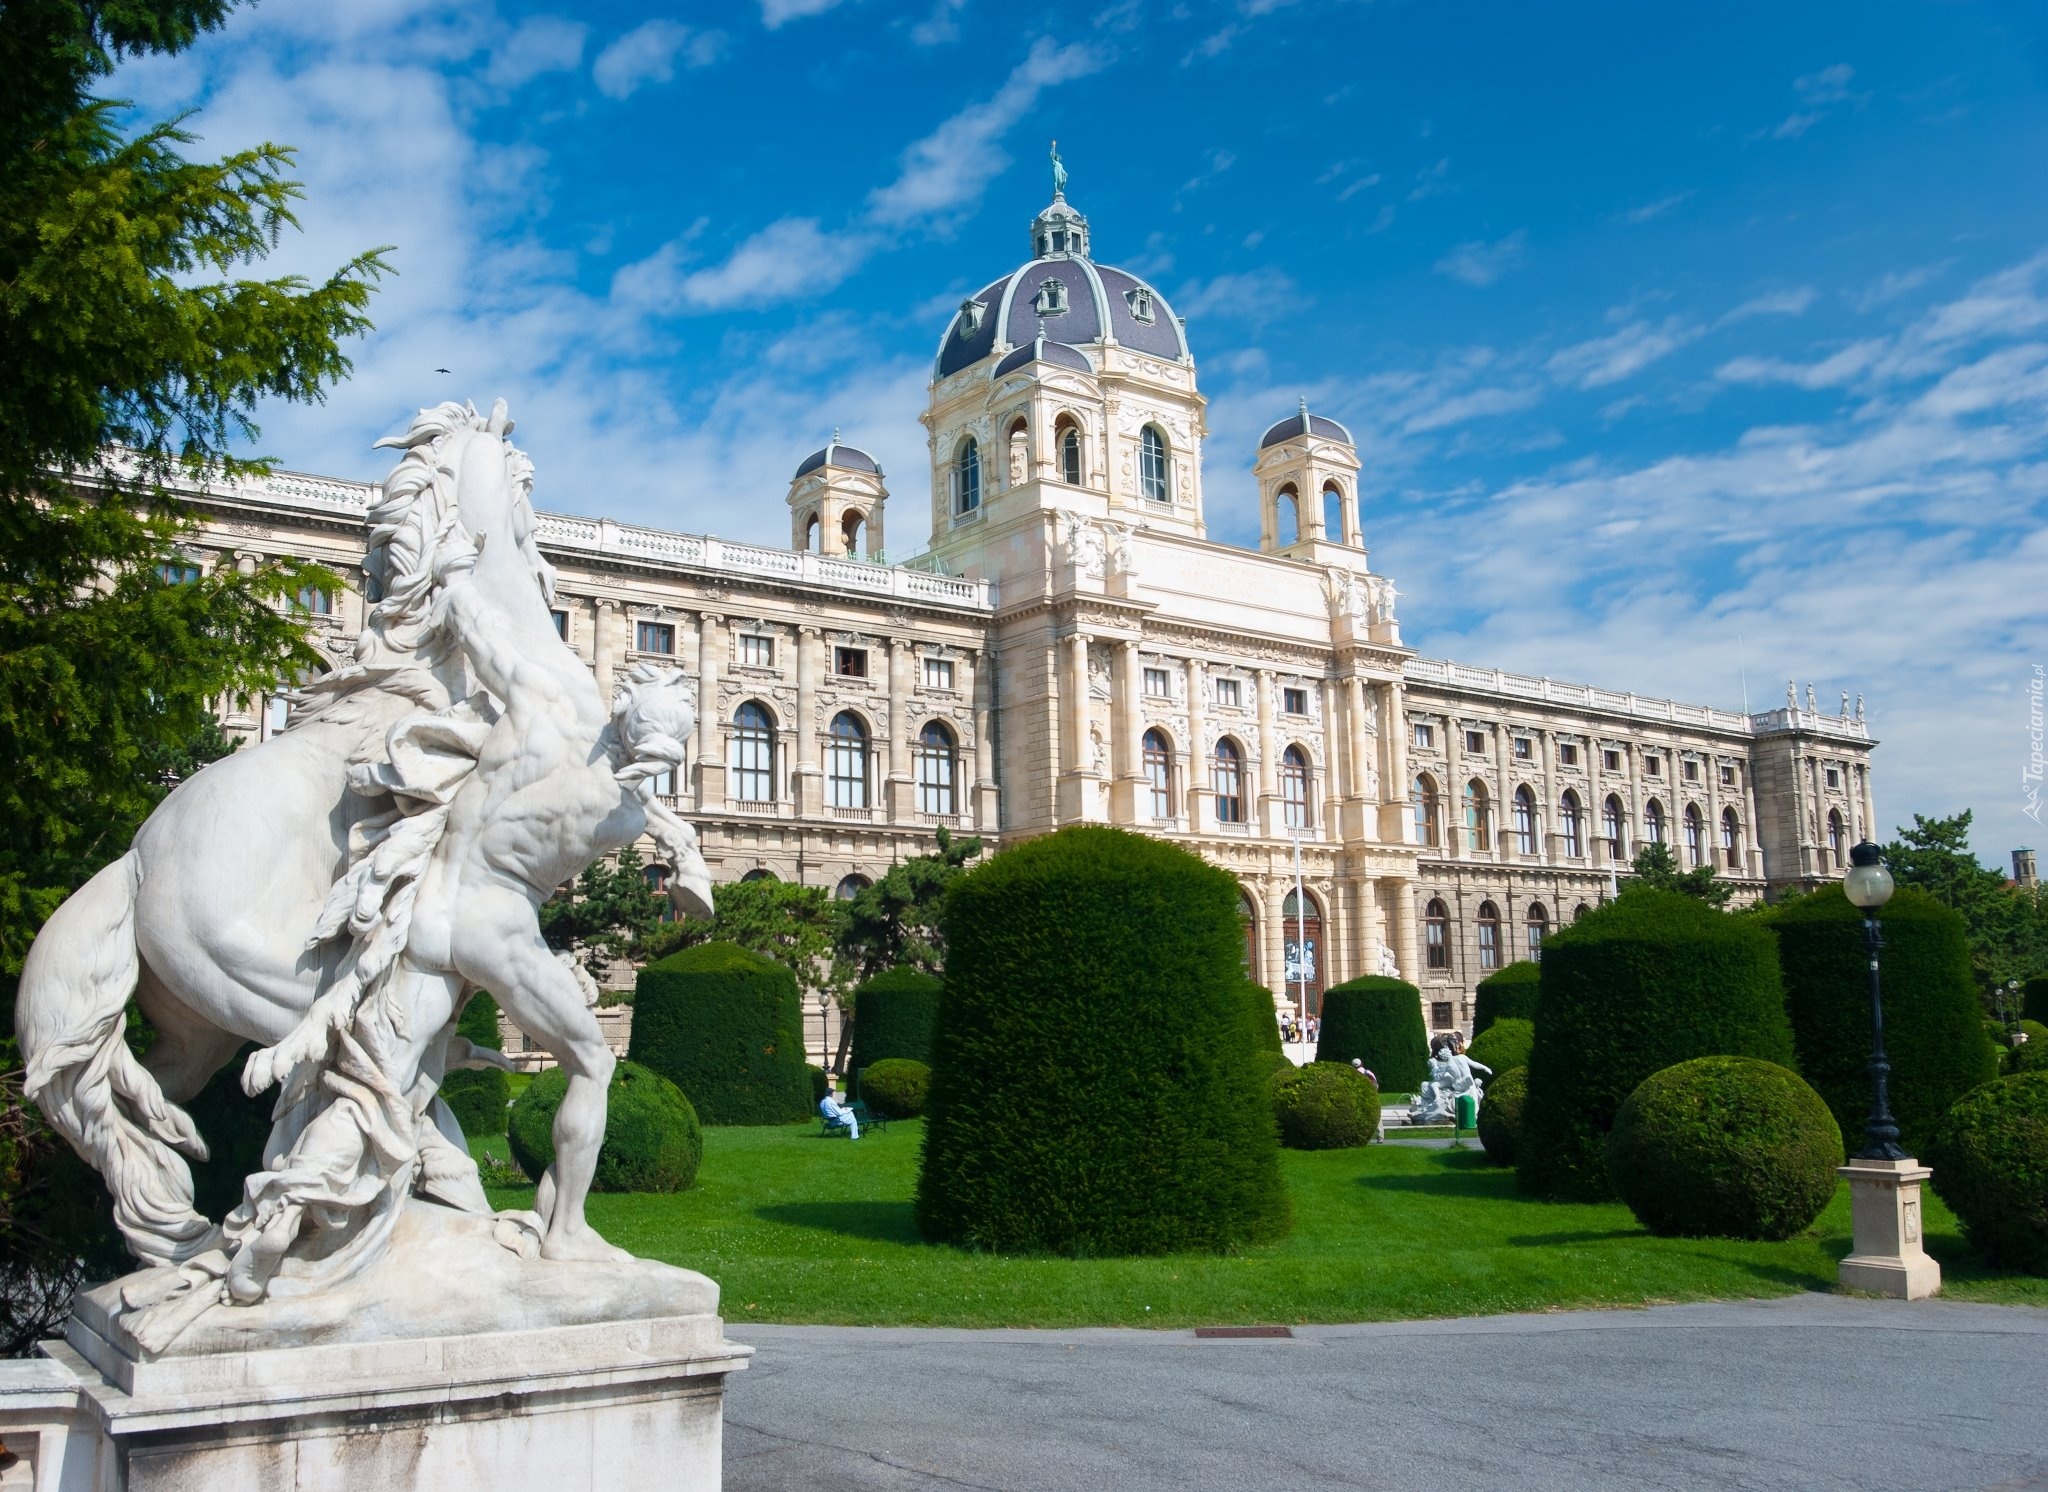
(1692, 771)
(561, 621)
(1157, 684)
(1653, 766)
(1834, 777)
(314, 602)
(1610, 761)
(178, 572)
(757, 652)
(1294, 701)
(1475, 740)
(938, 673)
(1425, 736)
(1525, 749)
(1440, 1014)
(655, 637)
(1727, 775)
(1229, 692)
(850, 663)
(1567, 755)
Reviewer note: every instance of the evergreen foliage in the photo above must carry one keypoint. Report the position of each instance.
(1325, 1106)
(821, 1084)
(896, 1087)
(1265, 1019)
(1503, 1046)
(1657, 867)
(1500, 1115)
(897, 921)
(2007, 925)
(1990, 1159)
(607, 914)
(1095, 1089)
(2030, 1055)
(892, 1017)
(2034, 1000)
(1649, 980)
(725, 1026)
(1378, 1021)
(479, 1096)
(797, 926)
(1934, 1034)
(651, 1139)
(1506, 993)
(1724, 1147)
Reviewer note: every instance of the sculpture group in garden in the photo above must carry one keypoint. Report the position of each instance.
(337, 892)
(1450, 1076)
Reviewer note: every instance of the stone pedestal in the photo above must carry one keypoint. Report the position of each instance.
(1886, 1256)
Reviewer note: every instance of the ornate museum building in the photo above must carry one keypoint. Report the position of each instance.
(1074, 648)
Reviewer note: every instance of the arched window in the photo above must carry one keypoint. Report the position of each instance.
(967, 477)
(811, 532)
(1653, 821)
(1695, 837)
(1070, 456)
(846, 762)
(1020, 452)
(753, 754)
(760, 875)
(1227, 776)
(1250, 912)
(1294, 787)
(1835, 837)
(1731, 839)
(1159, 773)
(656, 875)
(1525, 821)
(1428, 811)
(1489, 935)
(1333, 512)
(850, 886)
(937, 758)
(1436, 934)
(1614, 829)
(853, 532)
(1579, 911)
(1571, 824)
(1537, 928)
(1287, 515)
(1152, 480)
(1478, 825)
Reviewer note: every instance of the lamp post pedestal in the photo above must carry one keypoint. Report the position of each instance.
(1886, 1257)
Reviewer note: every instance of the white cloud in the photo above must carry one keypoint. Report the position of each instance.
(1254, 297)
(541, 44)
(1889, 287)
(1794, 302)
(1604, 360)
(1656, 209)
(1828, 86)
(942, 25)
(1482, 263)
(1431, 181)
(790, 258)
(776, 13)
(649, 54)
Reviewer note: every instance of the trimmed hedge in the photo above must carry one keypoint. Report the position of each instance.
(821, 1084)
(2030, 1055)
(1506, 994)
(1096, 1086)
(1500, 1115)
(1649, 980)
(1725, 1147)
(1378, 1021)
(1325, 1106)
(1990, 1160)
(1933, 1025)
(480, 1097)
(1266, 1025)
(892, 1017)
(896, 1087)
(726, 1027)
(1503, 1046)
(651, 1139)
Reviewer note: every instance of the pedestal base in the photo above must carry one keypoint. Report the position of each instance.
(1886, 1256)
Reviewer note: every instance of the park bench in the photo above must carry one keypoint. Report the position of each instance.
(869, 1120)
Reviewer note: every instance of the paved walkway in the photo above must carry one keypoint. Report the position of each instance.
(1810, 1392)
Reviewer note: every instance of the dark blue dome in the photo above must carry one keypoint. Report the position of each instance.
(1044, 352)
(847, 458)
(1304, 423)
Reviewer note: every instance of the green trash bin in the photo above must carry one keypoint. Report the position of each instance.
(1468, 1111)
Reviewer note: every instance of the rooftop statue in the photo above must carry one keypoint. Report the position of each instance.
(338, 892)
(1059, 172)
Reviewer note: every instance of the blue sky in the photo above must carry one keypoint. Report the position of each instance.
(1659, 327)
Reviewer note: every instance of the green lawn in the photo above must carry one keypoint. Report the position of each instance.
(798, 1228)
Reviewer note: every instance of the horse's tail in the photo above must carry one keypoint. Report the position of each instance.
(71, 1018)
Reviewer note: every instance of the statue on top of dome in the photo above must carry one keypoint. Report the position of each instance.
(1059, 172)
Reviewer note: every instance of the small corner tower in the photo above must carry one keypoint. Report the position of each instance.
(836, 501)
(1307, 471)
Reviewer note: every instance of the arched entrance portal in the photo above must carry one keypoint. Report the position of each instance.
(1301, 928)
(1251, 935)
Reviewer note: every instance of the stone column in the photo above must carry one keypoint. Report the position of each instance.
(981, 688)
(1076, 798)
(1752, 831)
(1364, 815)
(1399, 909)
(899, 796)
(807, 784)
(1339, 960)
(1127, 750)
(710, 758)
(1269, 818)
(1394, 787)
(1198, 791)
(604, 646)
(1372, 928)
(1276, 940)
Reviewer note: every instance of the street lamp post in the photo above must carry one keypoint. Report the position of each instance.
(1886, 1256)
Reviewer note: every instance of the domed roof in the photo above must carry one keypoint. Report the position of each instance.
(1077, 300)
(1039, 350)
(1304, 423)
(845, 457)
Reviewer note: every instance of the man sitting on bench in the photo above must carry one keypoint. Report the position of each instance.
(837, 1115)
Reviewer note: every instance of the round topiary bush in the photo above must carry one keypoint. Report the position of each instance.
(726, 1027)
(651, 1139)
(1503, 1046)
(2030, 1055)
(1378, 1021)
(1724, 1147)
(1325, 1106)
(1500, 1114)
(896, 1087)
(480, 1097)
(1933, 1024)
(1990, 1160)
(892, 1017)
(1506, 994)
(1095, 1082)
(1649, 980)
